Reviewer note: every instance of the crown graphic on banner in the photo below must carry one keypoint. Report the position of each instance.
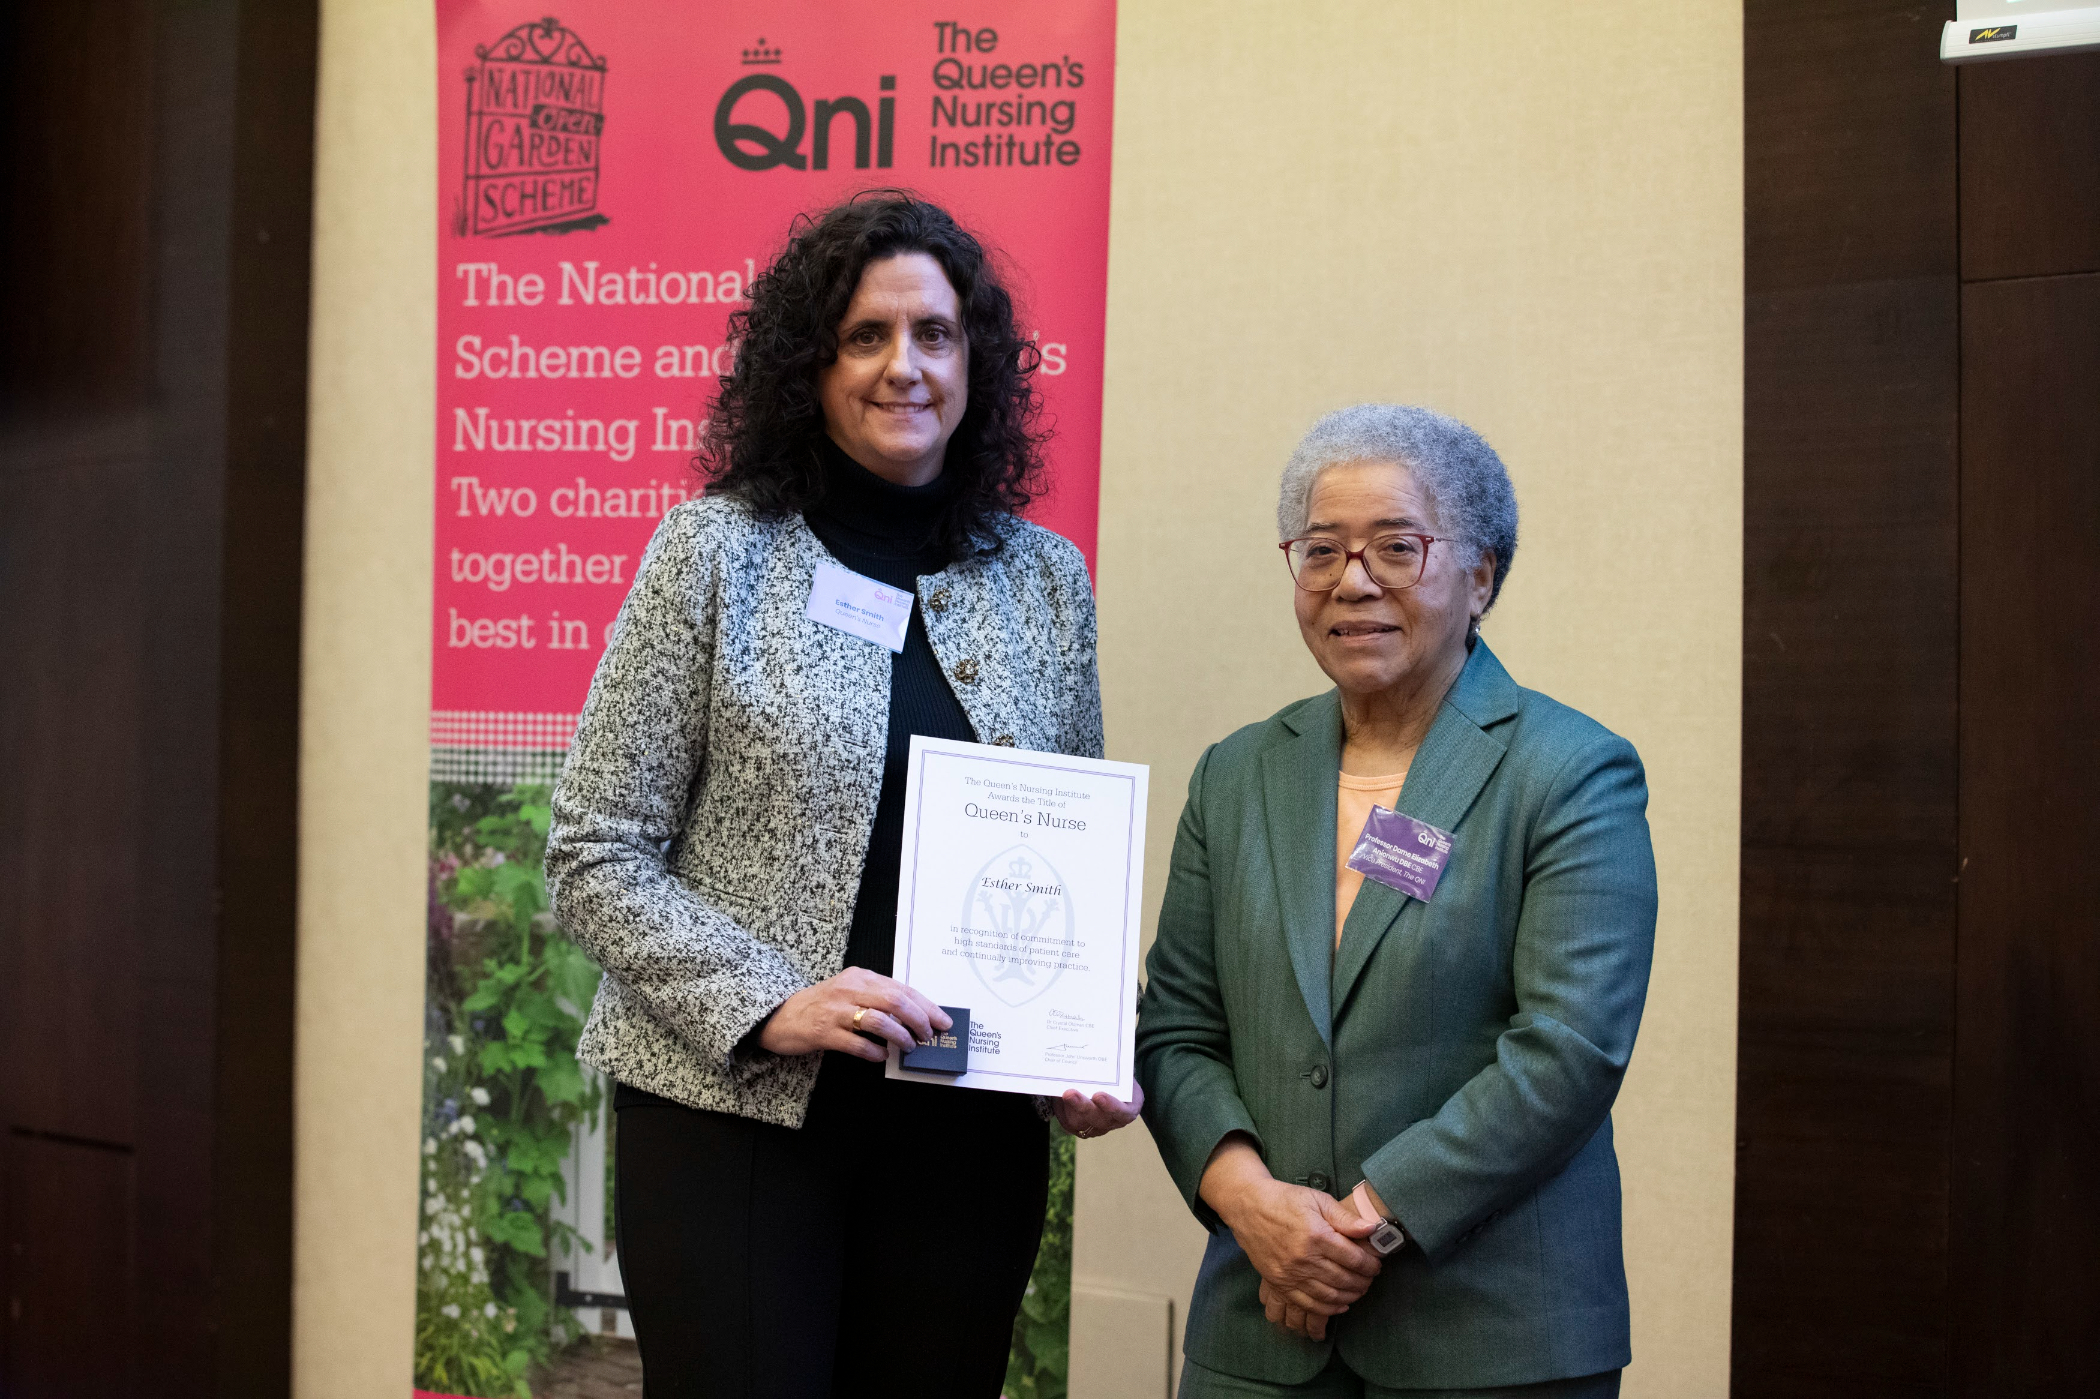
(759, 53)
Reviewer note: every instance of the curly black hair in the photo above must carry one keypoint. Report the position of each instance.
(767, 419)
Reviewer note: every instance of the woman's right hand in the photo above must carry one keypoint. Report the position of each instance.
(822, 1017)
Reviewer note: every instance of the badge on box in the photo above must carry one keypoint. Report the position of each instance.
(950, 1051)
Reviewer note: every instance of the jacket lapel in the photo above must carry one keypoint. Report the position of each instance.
(1452, 765)
(1298, 787)
(959, 606)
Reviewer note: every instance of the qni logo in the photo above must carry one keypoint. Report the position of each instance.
(750, 146)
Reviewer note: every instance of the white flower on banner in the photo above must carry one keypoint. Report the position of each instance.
(480, 1097)
(437, 1061)
(458, 1043)
(450, 1309)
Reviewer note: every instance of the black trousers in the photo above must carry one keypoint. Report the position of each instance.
(881, 1248)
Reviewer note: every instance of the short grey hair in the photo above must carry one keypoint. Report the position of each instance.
(1453, 464)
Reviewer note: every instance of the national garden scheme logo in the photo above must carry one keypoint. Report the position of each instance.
(535, 120)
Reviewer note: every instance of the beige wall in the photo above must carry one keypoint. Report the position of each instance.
(1523, 214)
(1526, 215)
(364, 750)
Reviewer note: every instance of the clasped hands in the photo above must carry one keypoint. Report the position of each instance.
(843, 1012)
(1307, 1246)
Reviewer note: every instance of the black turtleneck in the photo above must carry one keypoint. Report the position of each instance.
(890, 533)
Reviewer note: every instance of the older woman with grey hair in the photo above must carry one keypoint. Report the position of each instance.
(1400, 966)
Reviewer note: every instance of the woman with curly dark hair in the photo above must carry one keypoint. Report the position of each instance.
(728, 827)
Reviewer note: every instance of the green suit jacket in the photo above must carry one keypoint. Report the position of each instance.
(1461, 1054)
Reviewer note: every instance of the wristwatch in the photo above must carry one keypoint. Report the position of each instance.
(1388, 1238)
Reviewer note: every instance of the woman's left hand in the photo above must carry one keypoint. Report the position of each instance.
(1104, 1112)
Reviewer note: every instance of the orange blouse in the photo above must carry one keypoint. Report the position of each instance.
(1352, 808)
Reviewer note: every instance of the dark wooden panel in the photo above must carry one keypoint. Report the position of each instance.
(69, 1274)
(72, 632)
(182, 1315)
(76, 116)
(2030, 167)
(2027, 1099)
(1848, 914)
(150, 591)
(265, 505)
(1849, 693)
(1848, 163)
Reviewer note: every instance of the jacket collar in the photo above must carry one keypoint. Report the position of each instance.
(1483, 693)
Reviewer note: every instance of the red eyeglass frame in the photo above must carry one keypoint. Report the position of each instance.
(1358, 556)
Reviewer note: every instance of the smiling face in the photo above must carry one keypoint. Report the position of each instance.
(900, 383)
(1372, 640)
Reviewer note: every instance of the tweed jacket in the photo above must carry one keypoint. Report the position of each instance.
(712, 818)
(1461, 1054)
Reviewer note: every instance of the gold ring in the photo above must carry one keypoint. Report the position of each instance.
(857, 1015)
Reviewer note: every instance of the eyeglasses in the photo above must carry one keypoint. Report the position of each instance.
(1317, 562)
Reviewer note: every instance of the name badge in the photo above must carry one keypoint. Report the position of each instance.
(859, 606)
(1402, 852)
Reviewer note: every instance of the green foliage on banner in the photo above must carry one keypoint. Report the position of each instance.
(1038, 1365)
(502, 1091)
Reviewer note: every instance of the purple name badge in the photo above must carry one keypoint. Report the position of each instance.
(1400, 851)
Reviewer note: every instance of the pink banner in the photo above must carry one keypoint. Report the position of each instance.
(611, 180)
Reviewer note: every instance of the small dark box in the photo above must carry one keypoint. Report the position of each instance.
(950, 1051)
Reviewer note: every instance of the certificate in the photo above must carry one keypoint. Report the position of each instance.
(1018, 900)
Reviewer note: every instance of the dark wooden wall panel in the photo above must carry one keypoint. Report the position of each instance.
(265, 510)
(71, 804)
(2030, 167)
(2027, 1100)
(1848, 166)
(1919, 1085)
(150, 553)
(76, 274)
(71, 1265)
(1849, 692)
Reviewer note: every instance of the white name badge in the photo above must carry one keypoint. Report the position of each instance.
(859, 606)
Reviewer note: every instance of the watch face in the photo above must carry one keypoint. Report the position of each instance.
(1386, 1239)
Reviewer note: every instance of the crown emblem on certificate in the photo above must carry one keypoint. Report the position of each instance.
(1019, 916)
